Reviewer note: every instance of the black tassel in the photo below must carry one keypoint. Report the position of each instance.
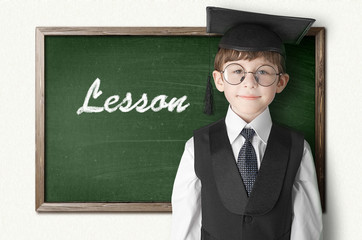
(208, 97)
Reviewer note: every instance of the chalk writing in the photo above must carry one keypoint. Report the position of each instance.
(113, 103)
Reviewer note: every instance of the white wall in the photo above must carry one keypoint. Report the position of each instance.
(18, 19)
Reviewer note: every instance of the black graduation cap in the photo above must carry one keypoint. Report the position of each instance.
(249, 31)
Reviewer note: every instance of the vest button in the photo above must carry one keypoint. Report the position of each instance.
(248, 219)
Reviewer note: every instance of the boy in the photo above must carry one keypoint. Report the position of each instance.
(244, 177)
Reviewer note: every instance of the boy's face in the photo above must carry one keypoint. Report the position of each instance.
(249, 99)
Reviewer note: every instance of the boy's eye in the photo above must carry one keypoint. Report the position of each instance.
(266, 70)
(262, 72)
(238, 71)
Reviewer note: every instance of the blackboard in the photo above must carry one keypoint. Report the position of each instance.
(115, 107)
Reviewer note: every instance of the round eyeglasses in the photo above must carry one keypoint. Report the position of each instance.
(265, 75)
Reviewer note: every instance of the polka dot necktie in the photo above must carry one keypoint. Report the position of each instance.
(247, 163)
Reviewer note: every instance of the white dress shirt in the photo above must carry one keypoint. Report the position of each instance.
(186, 195)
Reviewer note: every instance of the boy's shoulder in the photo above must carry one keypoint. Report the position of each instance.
(288, 137)
(205, 128)
(290, 130)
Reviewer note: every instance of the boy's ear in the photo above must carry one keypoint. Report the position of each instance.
(282, 83)
(219, 83)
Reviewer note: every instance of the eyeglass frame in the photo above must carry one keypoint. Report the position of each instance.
(254, 73)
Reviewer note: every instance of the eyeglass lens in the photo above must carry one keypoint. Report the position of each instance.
(265, 75)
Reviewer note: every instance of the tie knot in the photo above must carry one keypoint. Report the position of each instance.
(247, 133)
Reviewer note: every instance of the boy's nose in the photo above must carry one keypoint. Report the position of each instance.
(249, 80)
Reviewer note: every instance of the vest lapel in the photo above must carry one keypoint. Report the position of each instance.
(228, 180)
(269, 182)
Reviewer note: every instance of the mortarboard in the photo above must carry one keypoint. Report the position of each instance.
(249, 31)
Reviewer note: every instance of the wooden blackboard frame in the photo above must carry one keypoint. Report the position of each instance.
(41, 32)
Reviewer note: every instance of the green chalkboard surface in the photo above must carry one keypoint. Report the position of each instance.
(118, 110)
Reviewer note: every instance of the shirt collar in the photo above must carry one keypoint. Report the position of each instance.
(261, 124)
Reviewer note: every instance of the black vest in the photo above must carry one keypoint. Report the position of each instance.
(227, 212)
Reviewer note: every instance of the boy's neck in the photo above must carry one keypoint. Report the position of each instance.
(248, 118)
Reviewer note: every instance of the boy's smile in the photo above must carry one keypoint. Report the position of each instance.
(249, 99)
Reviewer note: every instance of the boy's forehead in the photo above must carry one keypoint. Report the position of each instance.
(258, 61)
(247, 31)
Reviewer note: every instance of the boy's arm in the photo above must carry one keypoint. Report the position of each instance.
(307, 221)
(186, 205)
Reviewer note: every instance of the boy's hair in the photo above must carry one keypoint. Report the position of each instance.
(226, 55)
